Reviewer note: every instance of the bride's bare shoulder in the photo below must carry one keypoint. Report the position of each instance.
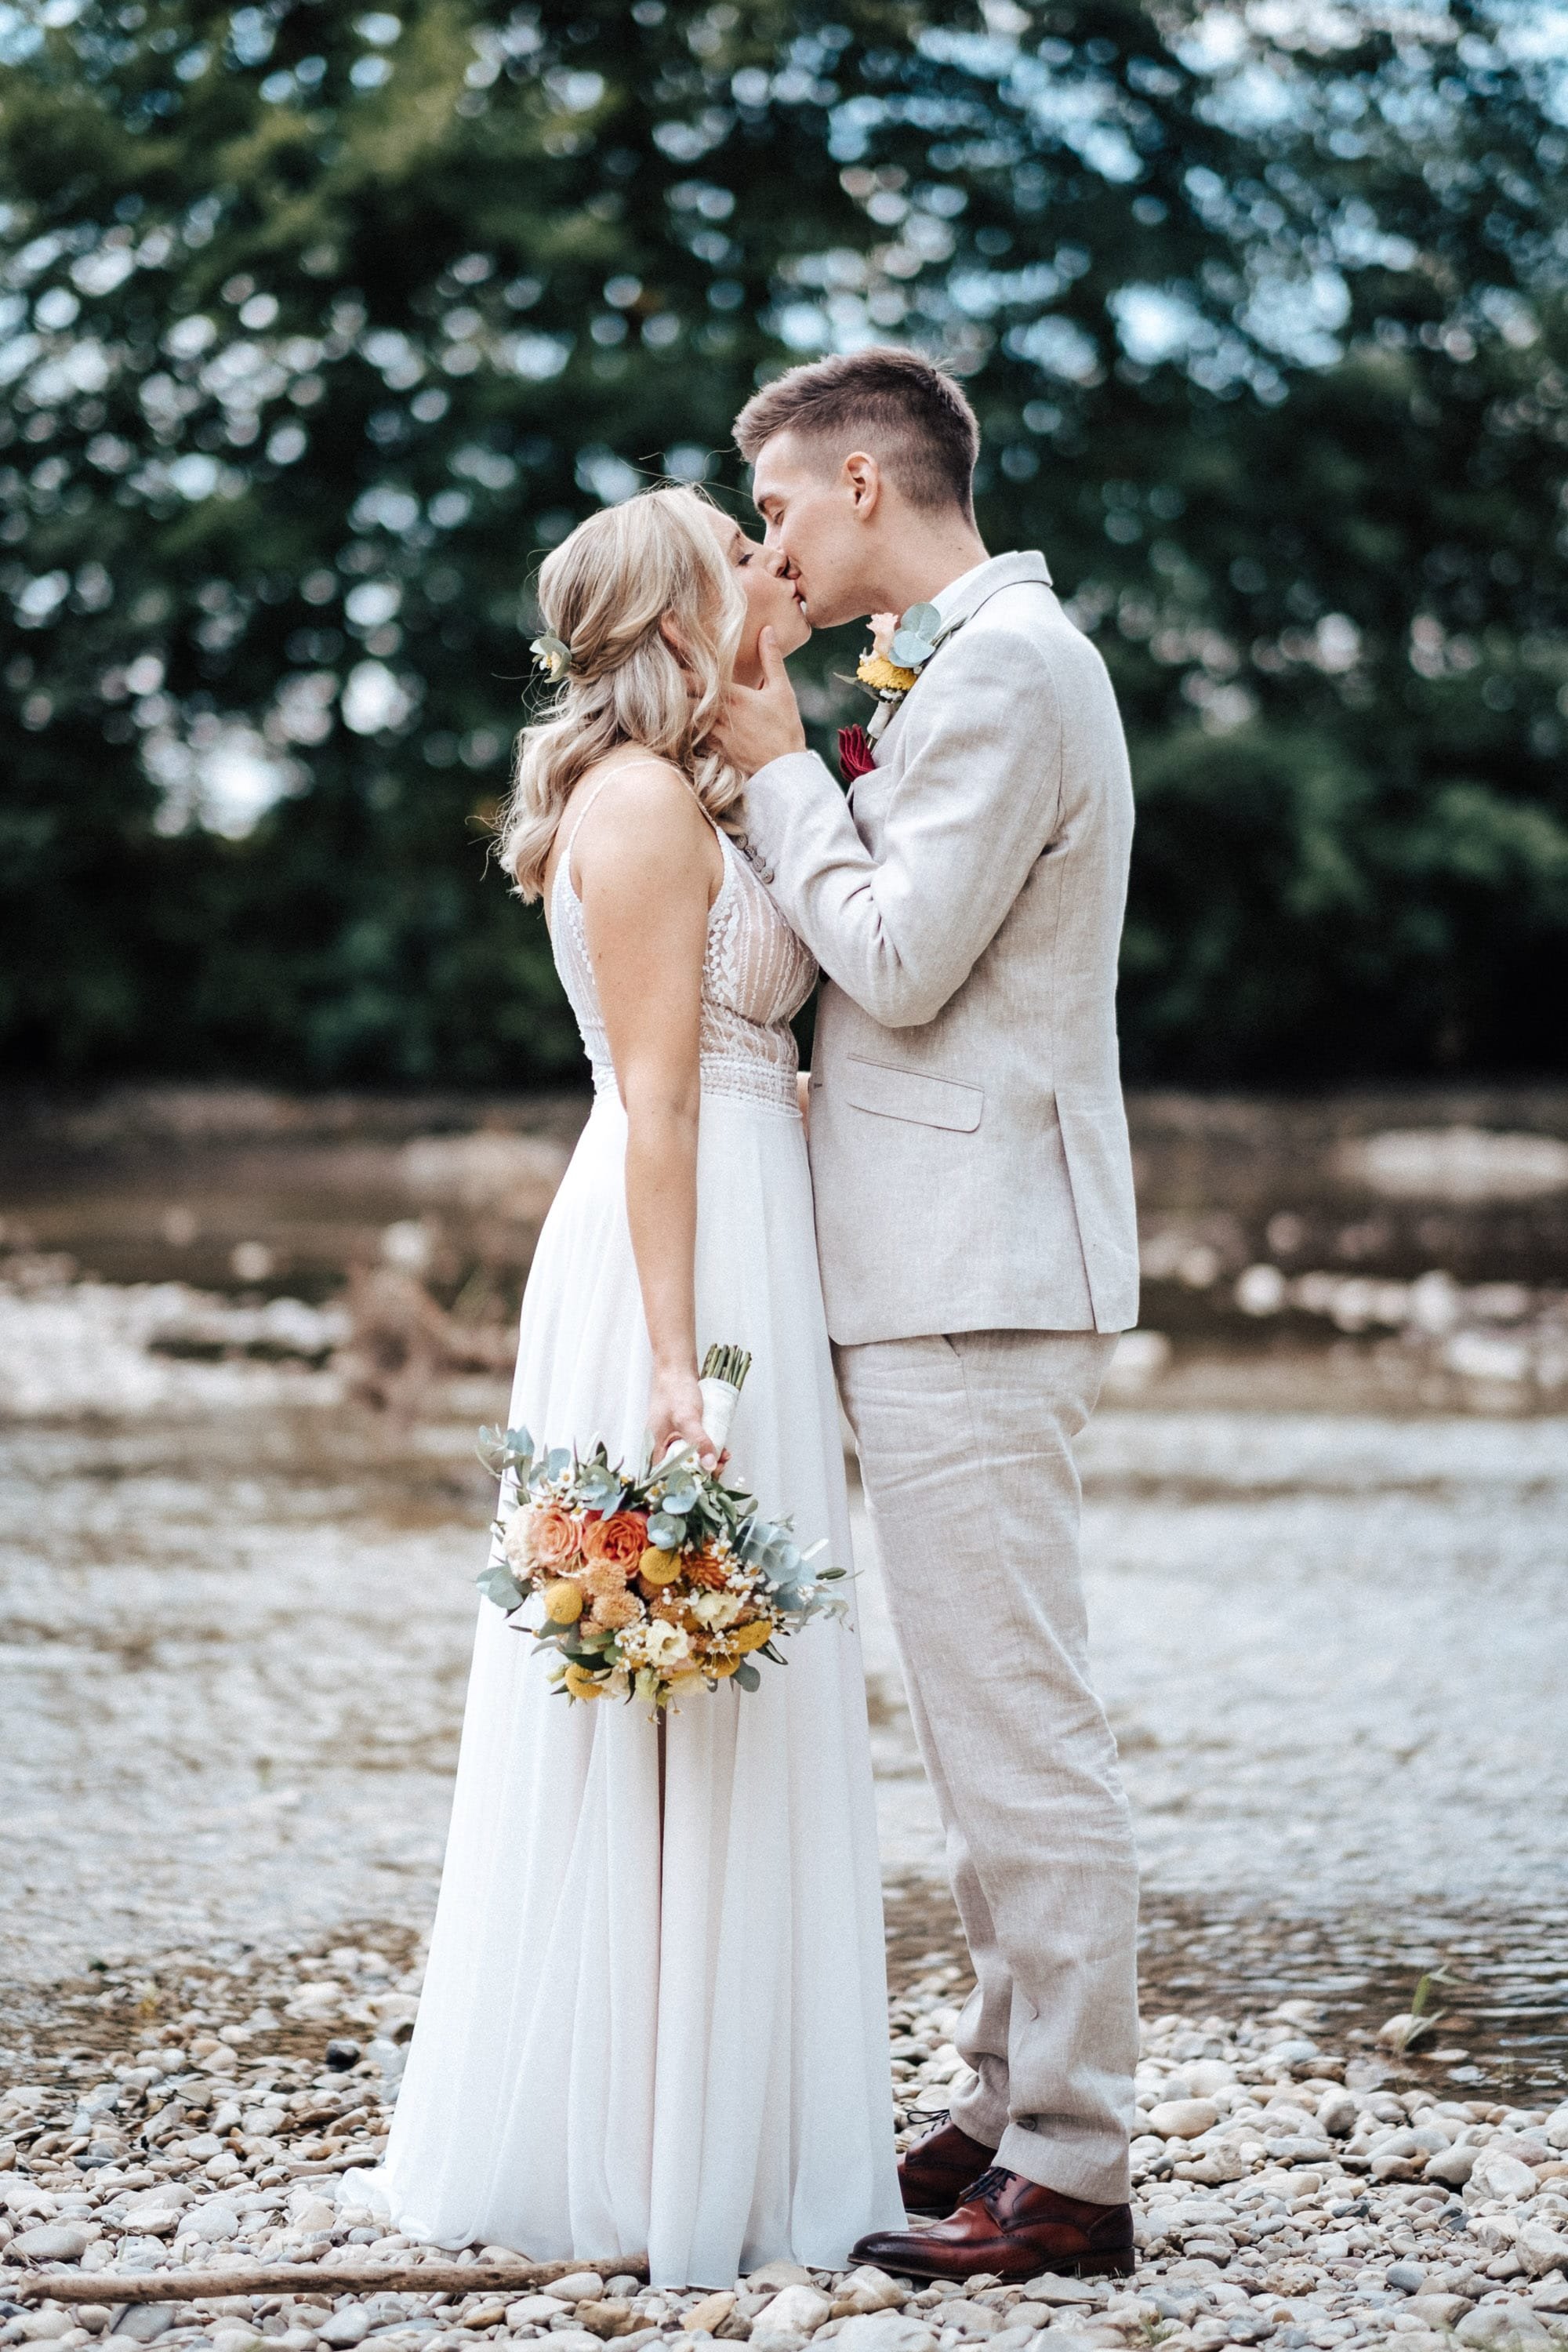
(642, 810)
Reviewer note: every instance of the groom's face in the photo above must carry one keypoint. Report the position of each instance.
(816, 513)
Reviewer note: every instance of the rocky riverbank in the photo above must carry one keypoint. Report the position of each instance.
(1285, 2194)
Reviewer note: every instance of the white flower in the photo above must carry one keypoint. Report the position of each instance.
(664, 1645)
(717, 1608)
(515, 1543)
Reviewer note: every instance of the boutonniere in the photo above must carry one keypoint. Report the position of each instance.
(856, 757)
(901, 648)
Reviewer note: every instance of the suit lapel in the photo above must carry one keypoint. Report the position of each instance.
(1002, 572)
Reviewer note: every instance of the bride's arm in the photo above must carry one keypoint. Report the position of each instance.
(645, 863)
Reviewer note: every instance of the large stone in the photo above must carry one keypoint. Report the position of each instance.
(774, 2275)
(703, 2317)
(236, 2336)
(577, 2286)
(345, 2327)
(795, 2310)
(1205, 2076)
(1495, 2327)
(533, 2311)
(1440, 2310)
(1500, 2176)
(1337, 2113)
(1452, 2166)
(868, 2289)
(53, 2242)
(169, 2197)
(1183, 2119)
(606, 2317)
(1058, 2291)
(142, 2322)
(885, 2331)
(1540, 2248)
(969, 2321)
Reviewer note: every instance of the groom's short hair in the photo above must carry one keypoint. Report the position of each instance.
(896, 405)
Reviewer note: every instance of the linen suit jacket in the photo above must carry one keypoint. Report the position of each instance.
(969, 1146)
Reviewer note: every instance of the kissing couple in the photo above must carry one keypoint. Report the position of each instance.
(654, 2012)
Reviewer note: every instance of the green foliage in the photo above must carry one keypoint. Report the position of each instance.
(320, 325)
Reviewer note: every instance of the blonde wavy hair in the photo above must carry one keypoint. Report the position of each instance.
(604, 593)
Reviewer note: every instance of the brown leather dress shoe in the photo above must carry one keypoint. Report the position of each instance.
(1012, 2227)
(935, 2170)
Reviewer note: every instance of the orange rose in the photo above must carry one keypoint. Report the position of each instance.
(616, 1542)
(553, 1536)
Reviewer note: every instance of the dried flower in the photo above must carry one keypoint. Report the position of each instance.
(564, 1602)
(655, 1566)
(616, 1610)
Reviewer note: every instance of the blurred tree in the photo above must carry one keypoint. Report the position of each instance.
(322, 324)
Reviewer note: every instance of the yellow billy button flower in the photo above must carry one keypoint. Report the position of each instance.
(657, 1567)
(717, 1668)
(884, 677)
(564, 1602)
(581, 1683)
(751, 1637)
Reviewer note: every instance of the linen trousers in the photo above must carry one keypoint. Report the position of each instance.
(966, 1455)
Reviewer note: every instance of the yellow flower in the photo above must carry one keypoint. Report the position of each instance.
(884, 677)
(581, 1683)
(564, 1602)
(717, 1668)
(657, 1567)
(751, 1637)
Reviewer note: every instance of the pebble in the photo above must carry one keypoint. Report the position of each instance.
(1284, 2195)
(64, 2242)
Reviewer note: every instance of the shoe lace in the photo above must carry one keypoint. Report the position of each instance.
(994, 2176)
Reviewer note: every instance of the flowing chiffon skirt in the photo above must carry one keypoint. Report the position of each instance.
(680, 2042)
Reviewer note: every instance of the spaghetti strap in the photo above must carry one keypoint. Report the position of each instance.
(563, 864)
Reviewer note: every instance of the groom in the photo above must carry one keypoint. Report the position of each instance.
(979, 1251)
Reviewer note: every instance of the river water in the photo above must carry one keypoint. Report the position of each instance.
(1326, 1571)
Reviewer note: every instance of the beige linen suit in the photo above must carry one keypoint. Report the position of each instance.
(978, 1240)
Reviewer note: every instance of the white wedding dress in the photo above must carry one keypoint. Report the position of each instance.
(677, 2042)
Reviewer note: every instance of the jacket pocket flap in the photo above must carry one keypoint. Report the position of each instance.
(890, 1093)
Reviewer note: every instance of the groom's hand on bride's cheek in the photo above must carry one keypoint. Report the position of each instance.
(762, 722)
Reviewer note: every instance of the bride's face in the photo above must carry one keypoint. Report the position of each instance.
(771, 601)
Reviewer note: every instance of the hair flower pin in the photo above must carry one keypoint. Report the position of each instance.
(552, 654)
(901, 645)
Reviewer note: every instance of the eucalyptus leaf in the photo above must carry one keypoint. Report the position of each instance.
(497, 1584)
(665, 1532)
(924, 619)
(747, 1675)
(910, 651)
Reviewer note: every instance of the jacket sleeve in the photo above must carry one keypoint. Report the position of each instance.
(970, 815)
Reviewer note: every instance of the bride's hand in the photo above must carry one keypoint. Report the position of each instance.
(675, 1416)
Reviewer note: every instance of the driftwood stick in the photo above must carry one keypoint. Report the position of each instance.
(114, 2287)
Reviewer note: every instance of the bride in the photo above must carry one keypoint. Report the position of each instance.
(655, 2010)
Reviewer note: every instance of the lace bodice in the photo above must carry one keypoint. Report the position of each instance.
(756, 975)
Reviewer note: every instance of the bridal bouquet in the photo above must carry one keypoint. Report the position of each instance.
(647, 1582)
